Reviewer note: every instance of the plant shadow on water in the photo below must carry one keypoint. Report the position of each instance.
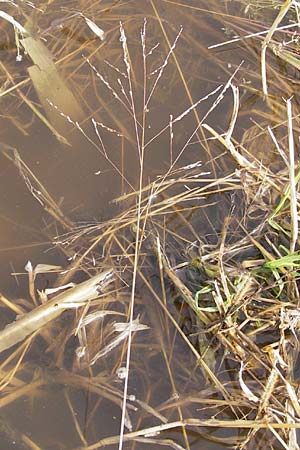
(149, 202)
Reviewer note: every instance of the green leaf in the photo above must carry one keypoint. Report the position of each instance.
(286, 261)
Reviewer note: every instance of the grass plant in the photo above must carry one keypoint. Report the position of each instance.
(197, 331)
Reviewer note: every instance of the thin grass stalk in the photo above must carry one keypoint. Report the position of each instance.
(293, 192)
(29, 442)
(197, 355)
(138, 236)
(184, 82)
(283, 11)
(75, 419)
(7, 380)
(193, 422)
(167, 358)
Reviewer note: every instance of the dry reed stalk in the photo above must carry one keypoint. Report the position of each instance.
(35, 320)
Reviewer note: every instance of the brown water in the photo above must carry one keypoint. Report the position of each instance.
(85, 176)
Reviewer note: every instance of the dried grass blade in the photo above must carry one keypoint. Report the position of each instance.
(293, 438)
(247, 392)
(35, 319)
(285, 56)
(13, 21)
(37, 189)
(12, 306)
(283, 11)
(191, 422)
(95, 29)
(149, 409)
(292, 179)
(124, 329)
(279, 438)
(241, 160)
(34, 109)
(50, 87)
(234, 114)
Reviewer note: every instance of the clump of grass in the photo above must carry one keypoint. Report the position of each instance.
(205, 258)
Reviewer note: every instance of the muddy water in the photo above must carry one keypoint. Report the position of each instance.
(86, 167)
